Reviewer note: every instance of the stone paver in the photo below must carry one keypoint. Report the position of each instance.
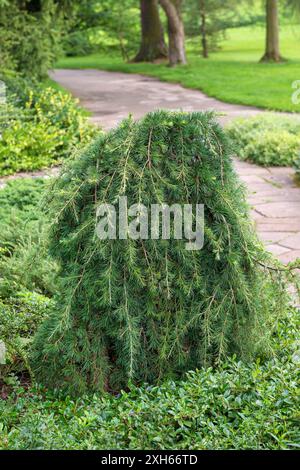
(275, 237)
(277, 250)
(33, 174)
(275, 202)
(289, 256)
(292, 242)
(276, 209)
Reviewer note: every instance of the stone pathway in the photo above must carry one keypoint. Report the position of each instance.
(111, 96)
(47, 173)
(273, 195)
(275, 202)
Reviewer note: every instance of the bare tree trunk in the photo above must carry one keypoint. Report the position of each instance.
(203, 29)
(153, 45)
(175, 31)
(272, 53)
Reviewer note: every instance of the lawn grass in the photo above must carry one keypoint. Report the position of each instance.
(49, 83)
(233, 74)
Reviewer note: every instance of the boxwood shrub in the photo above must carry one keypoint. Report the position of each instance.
(269, 140)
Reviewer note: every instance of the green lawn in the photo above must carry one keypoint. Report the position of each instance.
(232, 74)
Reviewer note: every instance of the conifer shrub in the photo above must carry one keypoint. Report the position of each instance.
(134, 311)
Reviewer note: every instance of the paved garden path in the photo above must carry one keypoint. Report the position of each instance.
(111, 96)
(274, 198)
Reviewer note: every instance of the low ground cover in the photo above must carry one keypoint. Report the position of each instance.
(237, 406)
(26, 272)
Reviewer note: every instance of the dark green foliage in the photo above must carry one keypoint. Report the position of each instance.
(24, 261)
(26, 270)
(135, 311)
(104, 25)
(237, 406)
(19, 211)
(29, 41)
(267, 139)
(23, 195)
(78, 43)
(20, 315)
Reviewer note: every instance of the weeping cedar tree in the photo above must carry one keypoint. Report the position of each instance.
(143, 310)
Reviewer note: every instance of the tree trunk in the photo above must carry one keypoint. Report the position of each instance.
(272, 53)
(175, 31)
(153, 45)
(203, 29)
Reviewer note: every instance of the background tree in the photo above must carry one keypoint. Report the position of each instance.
(139, 310)
(172, 9)
(272, 53)
(104, 25)
(203, 28)
(153, 45)
(210, 19)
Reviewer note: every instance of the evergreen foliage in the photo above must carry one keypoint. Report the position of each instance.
(142, 310)
(24, 260)
(27, 272)
(29, 40)
(210, 19)
(39, 126)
